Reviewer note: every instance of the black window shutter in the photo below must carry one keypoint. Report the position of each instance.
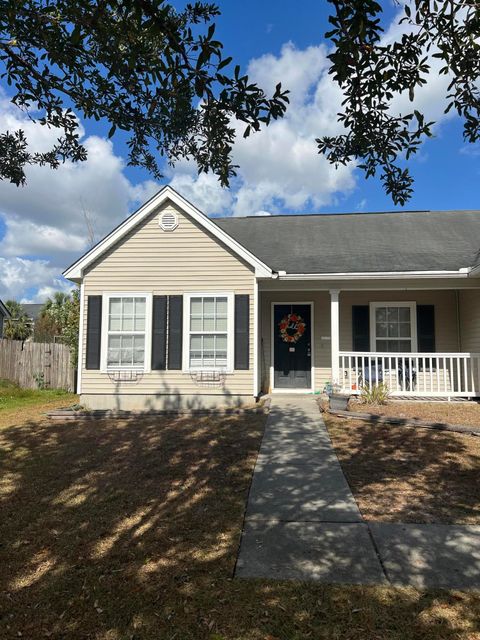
(242, 332)
(159, 333)
(175, 331)
(94, 332)
(426, 328)
(361, 327)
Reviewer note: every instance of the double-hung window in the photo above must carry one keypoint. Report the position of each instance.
(393, 327)
(208, 326)
(126, 331)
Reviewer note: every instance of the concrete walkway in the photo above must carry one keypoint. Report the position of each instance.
(302, 521)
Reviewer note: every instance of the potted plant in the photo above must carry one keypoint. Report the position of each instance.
(338, 401)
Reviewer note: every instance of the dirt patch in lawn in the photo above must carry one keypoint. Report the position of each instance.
(18, 405)
(409, 474)
(130, 531)
(462, 413)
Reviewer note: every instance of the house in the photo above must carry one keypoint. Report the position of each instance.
(32, 311)
(4, 314)
(181, 310)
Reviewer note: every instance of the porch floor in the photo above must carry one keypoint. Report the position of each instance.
(302, 521)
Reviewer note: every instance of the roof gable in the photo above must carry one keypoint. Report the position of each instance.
(3, 309)
(76, 270)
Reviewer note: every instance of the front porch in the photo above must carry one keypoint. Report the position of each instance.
(411, 374)
(419, 342)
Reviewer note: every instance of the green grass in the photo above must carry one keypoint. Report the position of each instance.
(14, 397)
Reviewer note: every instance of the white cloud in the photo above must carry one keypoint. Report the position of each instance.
(204, 191)
(17, 275)
(280, 166)
(48, 291)
(470, 149)
(430, 99)
(47, 221)
(24, 237)
(361, 205)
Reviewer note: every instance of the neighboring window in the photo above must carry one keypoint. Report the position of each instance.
(126, 332)
(393, 327)
(208, 331)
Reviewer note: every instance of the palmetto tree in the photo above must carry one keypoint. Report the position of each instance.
(63, 310)
(18, 326)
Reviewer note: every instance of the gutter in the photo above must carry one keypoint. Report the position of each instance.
(376, 275)
(474, 271)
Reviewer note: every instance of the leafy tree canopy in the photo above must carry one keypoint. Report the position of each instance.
(145, 68)
(161, 75)
(371, 73)
(18, 326)
(62, 313)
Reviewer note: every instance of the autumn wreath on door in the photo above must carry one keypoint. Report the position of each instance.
(292, 328)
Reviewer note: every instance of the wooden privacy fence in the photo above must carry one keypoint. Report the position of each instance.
(28, 363)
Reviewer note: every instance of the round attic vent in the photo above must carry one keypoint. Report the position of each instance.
(168, 221)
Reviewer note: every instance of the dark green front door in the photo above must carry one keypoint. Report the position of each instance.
(292, 360)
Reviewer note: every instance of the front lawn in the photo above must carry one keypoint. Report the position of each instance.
(459, 413)
(17, 404)
(409, 474)
(129, 531)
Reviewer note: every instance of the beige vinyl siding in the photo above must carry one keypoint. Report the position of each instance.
(446, 334)
(469, 306)
(151, 260)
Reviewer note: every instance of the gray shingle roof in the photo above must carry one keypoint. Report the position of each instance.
(361, 242)
(33, 309)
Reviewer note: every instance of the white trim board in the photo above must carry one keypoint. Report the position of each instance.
(81, 330)
(312, 347)
(374, 275)
(75, 271)
(256, 338)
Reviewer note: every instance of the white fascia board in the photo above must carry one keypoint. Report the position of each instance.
(474, 272)
(374, 275)
(75, 271)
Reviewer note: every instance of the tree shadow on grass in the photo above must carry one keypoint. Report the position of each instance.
(409, 474)
(116, 530)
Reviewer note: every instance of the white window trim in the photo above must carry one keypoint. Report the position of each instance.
(148, 330)
(413, 322)
(230, 327)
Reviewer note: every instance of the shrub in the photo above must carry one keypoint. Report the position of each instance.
(376, 394)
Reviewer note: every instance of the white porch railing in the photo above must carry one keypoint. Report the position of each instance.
(412, 374)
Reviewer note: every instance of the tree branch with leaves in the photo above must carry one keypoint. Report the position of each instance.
(140, 65)
(371, 73)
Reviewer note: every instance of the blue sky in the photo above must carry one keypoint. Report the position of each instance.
(43, 226)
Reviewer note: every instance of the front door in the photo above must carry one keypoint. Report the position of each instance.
(292, 360)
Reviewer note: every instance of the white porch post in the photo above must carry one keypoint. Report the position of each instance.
(335, 334)
(256, 318)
